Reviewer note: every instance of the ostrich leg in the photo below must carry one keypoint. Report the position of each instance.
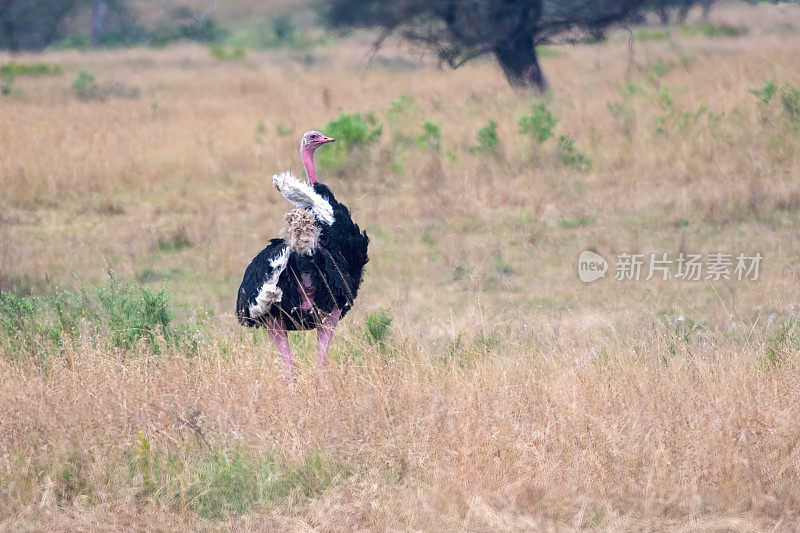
(324, 335)
(281, 340)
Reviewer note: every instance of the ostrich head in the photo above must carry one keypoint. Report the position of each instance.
(312, 140)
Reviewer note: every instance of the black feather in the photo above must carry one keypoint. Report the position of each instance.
(336, 269)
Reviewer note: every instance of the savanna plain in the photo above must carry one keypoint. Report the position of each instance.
(478, 383)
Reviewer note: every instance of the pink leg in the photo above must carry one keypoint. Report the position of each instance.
(324, 336)
(281, 340)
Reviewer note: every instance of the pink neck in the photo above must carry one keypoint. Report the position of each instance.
(308, 160)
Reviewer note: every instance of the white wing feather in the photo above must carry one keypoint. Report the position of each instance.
(303, 195)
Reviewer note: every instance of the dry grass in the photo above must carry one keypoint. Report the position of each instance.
(508, 395)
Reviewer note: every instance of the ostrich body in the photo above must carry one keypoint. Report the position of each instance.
(310, 276)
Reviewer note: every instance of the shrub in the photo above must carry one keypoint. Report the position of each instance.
(86, 88)
(766, 93)
(283, 29)
(133, 313)
(402, 108)
(570, 156)
(623, 110)
(488, 141)
(540, 123)
(224, 53)
(84, 85)
(783, 342)
(790, 99)
(6, 84)
(378, 327)
(39, 327)
(431, 138)
(353, 133)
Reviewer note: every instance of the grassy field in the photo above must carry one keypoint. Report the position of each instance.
(478, 384)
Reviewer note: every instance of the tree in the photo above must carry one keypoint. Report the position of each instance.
(99, 15)
(460, 30)
(677, 10)
(33, 24)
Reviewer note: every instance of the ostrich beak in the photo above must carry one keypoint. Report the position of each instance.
(326, 140)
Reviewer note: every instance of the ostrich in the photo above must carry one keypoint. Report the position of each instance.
(309, 277)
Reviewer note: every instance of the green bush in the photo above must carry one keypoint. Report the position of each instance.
(84, 85)
(284, 30)
(488, 140)
(133, 313)
(403, 112)
(570, 156)
(223, 53)
(6, 84)
(540, 123)
(40, 327)
(378, 327)
(431, 138)
(86, 88)
(766, 93)
(790, 99)
(783, 342)
(353, 133)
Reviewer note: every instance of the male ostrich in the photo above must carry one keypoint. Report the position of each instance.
(310, 276)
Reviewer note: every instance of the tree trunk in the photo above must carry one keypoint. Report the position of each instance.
(99, 13)
(520, 64)
(707, 5)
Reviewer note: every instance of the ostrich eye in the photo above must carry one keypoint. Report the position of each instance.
(314, 136)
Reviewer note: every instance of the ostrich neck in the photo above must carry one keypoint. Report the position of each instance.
(308, 161)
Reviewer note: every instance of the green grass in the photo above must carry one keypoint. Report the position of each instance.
(125, 316)
(223, 483)
(30, 69)
(650, 35)
(712, 30)
(225, 53)
(566, 223)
